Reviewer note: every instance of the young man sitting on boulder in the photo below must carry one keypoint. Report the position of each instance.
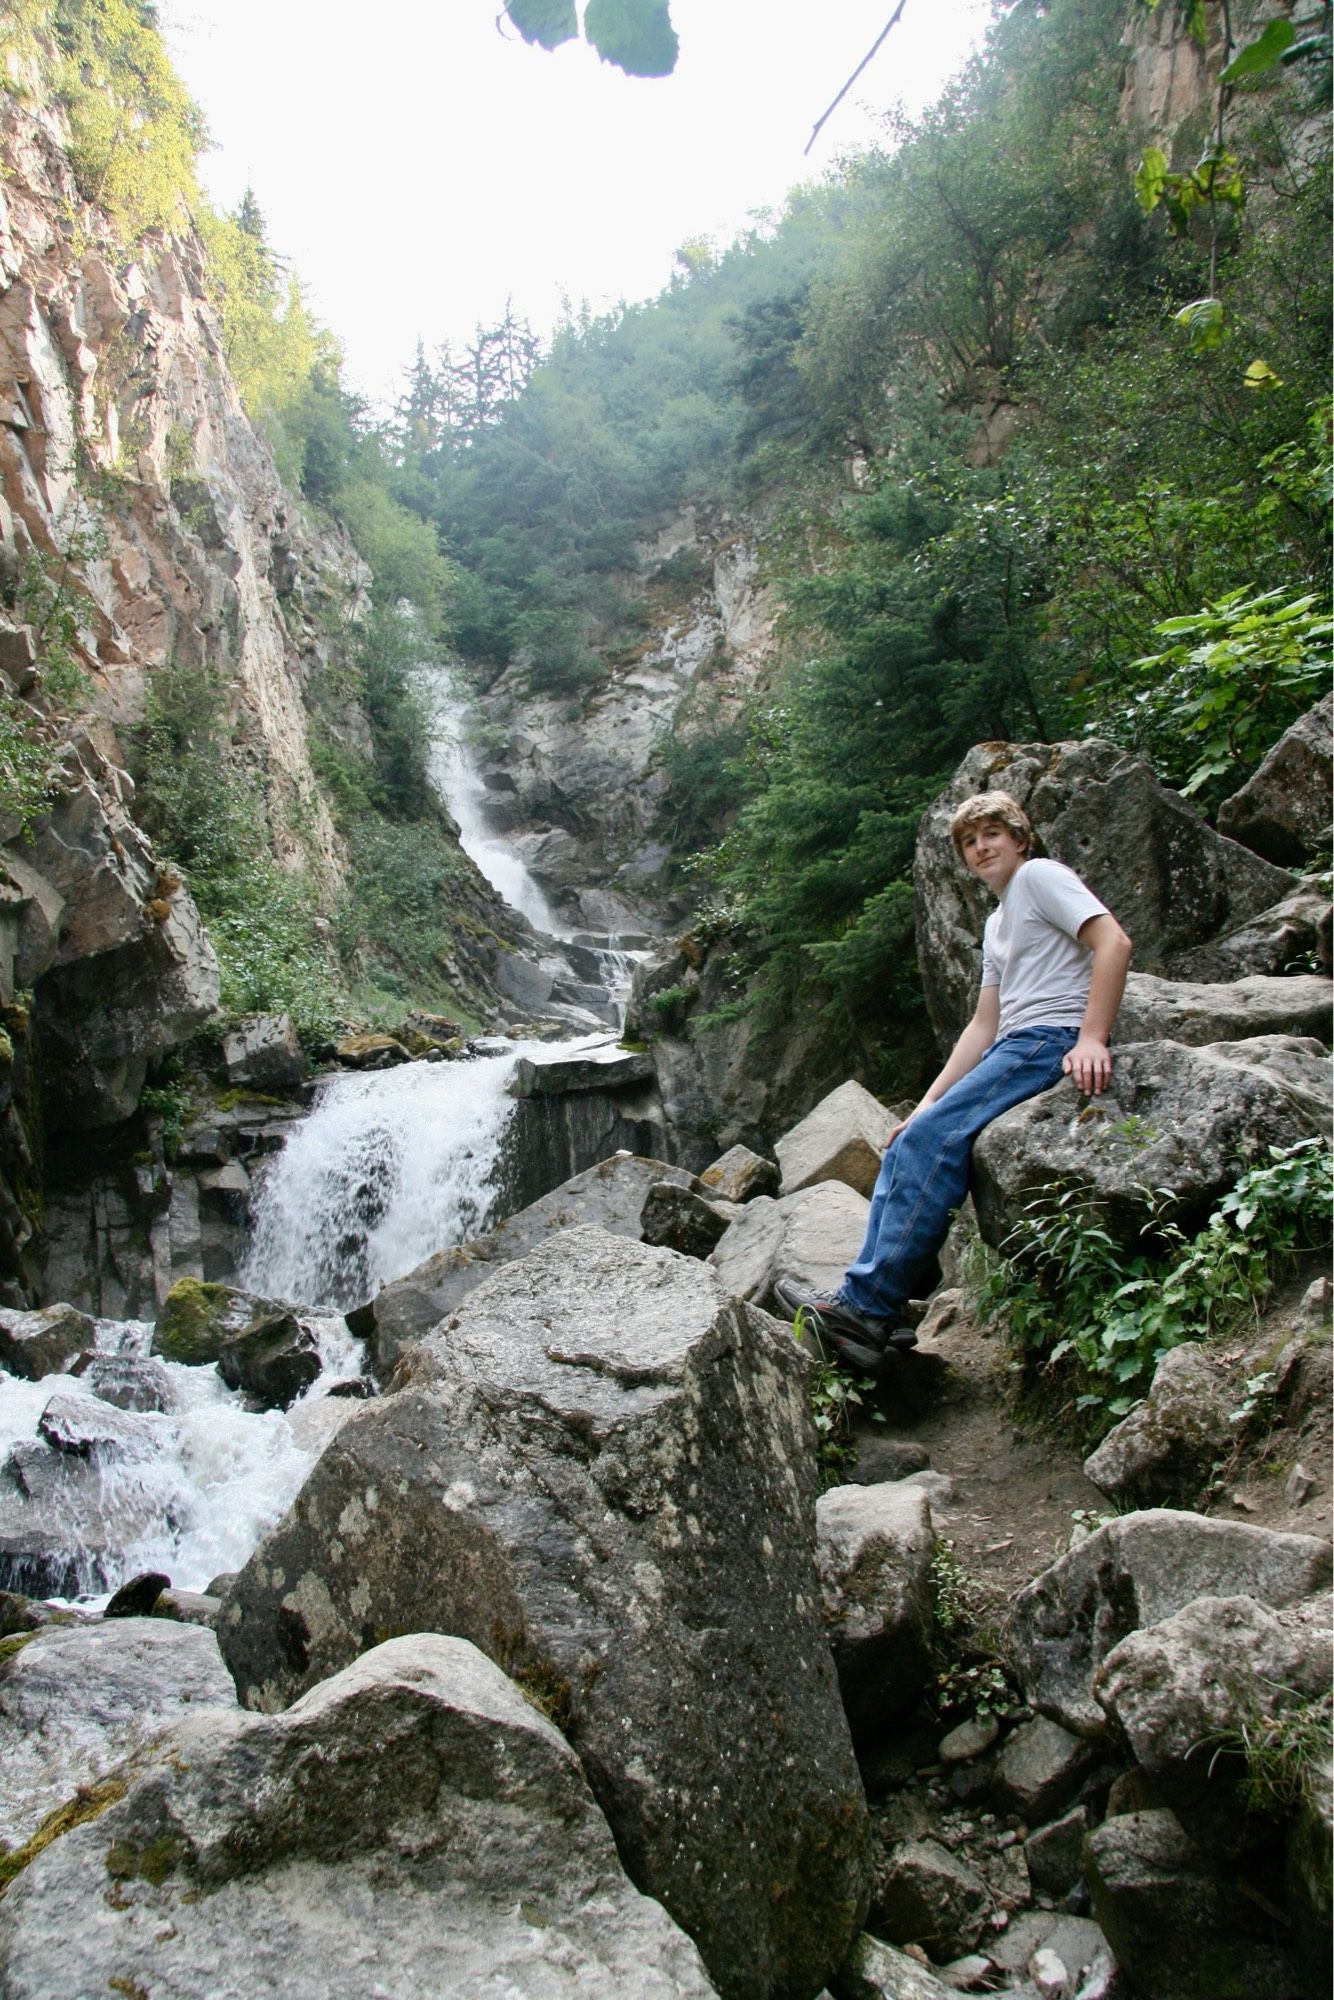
(1054, 963)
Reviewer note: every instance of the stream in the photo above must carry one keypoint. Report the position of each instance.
(174, 1472)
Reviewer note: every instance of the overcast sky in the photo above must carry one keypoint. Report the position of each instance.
(418, 167)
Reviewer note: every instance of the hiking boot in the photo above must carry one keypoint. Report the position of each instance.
(837, 1332)
(862, 1341)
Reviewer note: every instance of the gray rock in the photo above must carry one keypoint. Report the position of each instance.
(45, 1342)
(882, 1458)
(262, 1051)
(1177, 1690)
(1309, 1873)
(1176, 1118)
(1292, 935)
(842, 1139)
(926, 1895)
(87, 1426)
(273, 1363)
(970, 1739)
(739, 1175)
(1175, 1920)
(874, 1547)
(1194, 1013)
(76, 1701)
(610, 1195)
(809, 1239)
(609, 1067)
(137, 1598)
(129, 1381)
(1167, 1447)
(601, 1470)
(1041, 1768)
(1055, 1854)
(875, 1970)
(197, 1321)
(76, 1497)
(412, 1825)
(188, 1607)
(1283, 811)
(1169, 879)
(120, 965)
(677, 1218)
(1134, 1572)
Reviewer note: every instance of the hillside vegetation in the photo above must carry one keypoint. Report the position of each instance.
(1005, 399)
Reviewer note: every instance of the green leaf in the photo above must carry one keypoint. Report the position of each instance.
(1261, 376)
(548, 23)
(1203, 319)
(1262, 53)
(1151, 179)
(636, 35)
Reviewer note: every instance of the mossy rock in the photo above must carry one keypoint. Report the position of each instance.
(198, 1320)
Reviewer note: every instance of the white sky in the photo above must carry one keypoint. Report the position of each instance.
(418, 168)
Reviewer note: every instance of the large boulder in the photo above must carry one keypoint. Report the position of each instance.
(1283, 811)
(1165, 1450)
(607, 1066)
(876, 1544)
(78, 1496)
(1170, 880)
(45, 1342)
(601, 1470)
(412, 1826)
(1177, 1691)
(258, 1344)
(1135, 1572)
(609, 1196)
(842, 1139)
(76, 1701)
(1193, 1012)
(1291, 936)
(739, 1175)
(262, 1053)
(807, 1239)
(1174, 1118)
(1177, 1920)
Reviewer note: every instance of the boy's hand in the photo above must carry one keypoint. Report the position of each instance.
(1090, 1064)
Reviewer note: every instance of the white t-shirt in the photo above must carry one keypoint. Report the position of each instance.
(1031, 950)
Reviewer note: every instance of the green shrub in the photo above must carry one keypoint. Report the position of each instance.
(1102, 1317)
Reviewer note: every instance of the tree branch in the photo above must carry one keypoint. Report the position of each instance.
(890, 23)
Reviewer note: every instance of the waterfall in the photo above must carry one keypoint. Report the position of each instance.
(389, 1166)
(455, 777)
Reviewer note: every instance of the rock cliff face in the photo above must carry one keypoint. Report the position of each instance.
(131, 477)
(143, 527)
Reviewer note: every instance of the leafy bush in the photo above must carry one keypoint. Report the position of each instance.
(1238, 673)
(1102, 1317)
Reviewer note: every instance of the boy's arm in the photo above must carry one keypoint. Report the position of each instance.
(967, 1052)
(1090, 1060)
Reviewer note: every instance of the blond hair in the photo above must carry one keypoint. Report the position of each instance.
(998, 807)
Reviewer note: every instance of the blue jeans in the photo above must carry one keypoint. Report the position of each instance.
(923, 1177)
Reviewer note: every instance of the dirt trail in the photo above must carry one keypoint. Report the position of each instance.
(1005, 1496)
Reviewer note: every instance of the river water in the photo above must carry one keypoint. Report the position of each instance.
(388, 1167)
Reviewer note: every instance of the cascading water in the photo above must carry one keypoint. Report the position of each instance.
(389, 1167)
(187, 1489)
(456, 779)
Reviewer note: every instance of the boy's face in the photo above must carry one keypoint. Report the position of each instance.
(992, 853)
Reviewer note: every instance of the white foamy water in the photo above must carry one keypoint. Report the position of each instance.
(196, 1486)
(389, 1167)
(455, 777)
